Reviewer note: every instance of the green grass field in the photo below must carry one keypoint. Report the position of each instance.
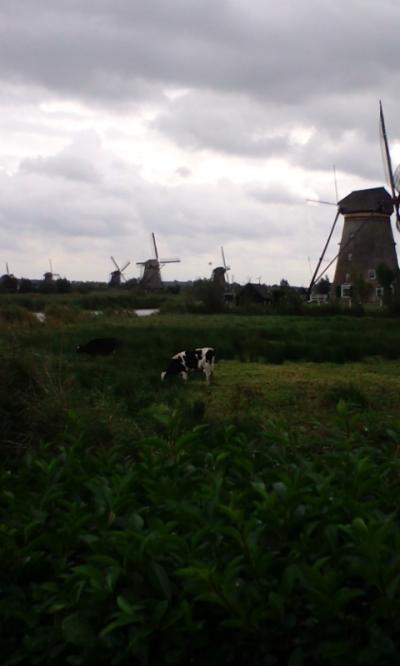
(253, 520)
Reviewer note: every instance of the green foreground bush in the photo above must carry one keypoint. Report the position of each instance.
(203, 546)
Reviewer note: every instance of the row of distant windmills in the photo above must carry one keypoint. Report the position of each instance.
(48, 275)
(150, 277)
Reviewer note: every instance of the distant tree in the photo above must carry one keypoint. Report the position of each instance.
(8, 283)
(386, 278)
(132, 282)
(361, 289)
(284, 283)
(323, 286)
(25, 286)
(63, 286)
(47, 286)
(210, 293)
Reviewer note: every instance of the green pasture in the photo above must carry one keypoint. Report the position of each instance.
(255, 520)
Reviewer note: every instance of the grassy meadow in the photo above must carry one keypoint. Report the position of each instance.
(255, 520)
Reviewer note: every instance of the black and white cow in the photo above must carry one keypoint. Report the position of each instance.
(202, 358)
(96, 346)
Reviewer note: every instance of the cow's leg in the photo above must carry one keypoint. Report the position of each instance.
(184, 376)
(207, 371)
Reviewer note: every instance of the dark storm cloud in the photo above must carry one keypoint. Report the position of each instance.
(118, 50)
(254, 71)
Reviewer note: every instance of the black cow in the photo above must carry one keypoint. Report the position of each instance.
(96, 346)
(202, 358)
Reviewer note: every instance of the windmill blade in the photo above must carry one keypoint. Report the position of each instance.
(7, 268)
(336, 187)
(223, 257)
(125, 267)
(115, 264)
(51, 266)
(397, 178)
(322, 255)
(328, 203)
(170, 261)
(227, 268)
(155, 245)
(387, 163)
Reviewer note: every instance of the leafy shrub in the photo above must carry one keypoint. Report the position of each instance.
(186, 551)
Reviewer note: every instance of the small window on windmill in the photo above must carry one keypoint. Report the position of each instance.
(347, 290)
(379, 292)
(347, 277)
(372, 274)
(349, 256)
(351, 235)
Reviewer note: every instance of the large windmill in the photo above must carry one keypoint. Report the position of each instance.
(367, 241)
(117, 274)
(151, 275)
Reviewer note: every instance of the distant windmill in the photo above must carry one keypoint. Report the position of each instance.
(7, 274)
(118, 274)
(49, 275)
(151, 276)
(8, 281)
(219, 273)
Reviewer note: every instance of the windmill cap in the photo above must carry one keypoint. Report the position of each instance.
(372, 200)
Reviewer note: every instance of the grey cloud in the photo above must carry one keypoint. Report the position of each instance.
(254, 73)
(120, 50)
(122, 208)
(63, 166)
(274, 193)
(237, 126)
(183, 172)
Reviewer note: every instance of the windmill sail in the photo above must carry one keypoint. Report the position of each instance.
(387, 165)
(315, 275)
(151, 273)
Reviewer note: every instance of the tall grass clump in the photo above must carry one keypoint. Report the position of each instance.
(12, 316)
(42, 399)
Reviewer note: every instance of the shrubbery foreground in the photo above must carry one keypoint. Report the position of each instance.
(203, 545)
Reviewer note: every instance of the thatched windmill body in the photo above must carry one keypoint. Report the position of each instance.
(367, 241)
(151, 269)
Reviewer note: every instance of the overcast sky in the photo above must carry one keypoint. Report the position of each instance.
(207, 122)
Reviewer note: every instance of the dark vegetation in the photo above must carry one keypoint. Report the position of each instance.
(254, 521)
